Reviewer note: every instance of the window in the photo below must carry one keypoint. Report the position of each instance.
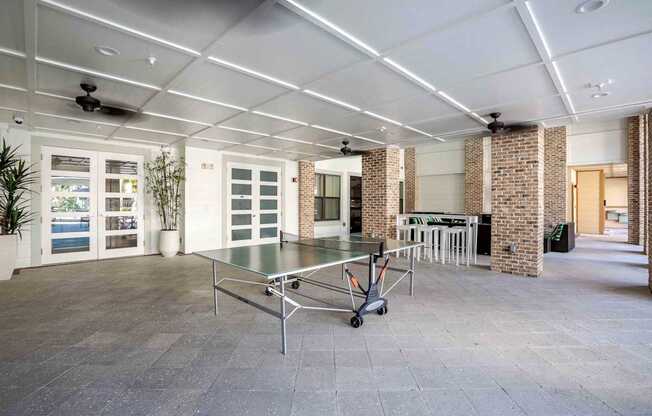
(400, 197)
(327, 197)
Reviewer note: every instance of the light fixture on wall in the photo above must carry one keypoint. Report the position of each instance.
(590, 6)
(107, 50)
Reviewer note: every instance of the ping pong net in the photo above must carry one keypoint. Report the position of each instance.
(372, 246)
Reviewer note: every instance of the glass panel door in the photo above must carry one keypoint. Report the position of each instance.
(253, 214)
(269, 220)
(240, 215)
(120, 205)
(68, 199)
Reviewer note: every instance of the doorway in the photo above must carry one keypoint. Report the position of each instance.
(92, 205)
(590, 202)
(355, 204)
(254, 204)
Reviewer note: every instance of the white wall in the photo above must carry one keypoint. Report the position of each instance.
(615, 192)
(597, 143)
(205, 197)
(440, 177)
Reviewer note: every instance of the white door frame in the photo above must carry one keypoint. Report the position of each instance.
(47, 256)
(255, 198)
(103, 214)
(97, 213)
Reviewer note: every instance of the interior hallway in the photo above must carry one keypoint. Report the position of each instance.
(137, 336)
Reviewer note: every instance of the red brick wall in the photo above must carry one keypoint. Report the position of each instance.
(473, 175)
(410, 164)
(633, 180)
(306, 199)
(380, 192)
(555, 177)
(517, 163)
(642, 182)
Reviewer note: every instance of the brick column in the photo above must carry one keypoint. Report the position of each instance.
(410, 163)
(517, 161)
(633, 180)
(642, 181)
(306, 199)
(648, 140)
(555, 174)
(380, 197)
(473, 175)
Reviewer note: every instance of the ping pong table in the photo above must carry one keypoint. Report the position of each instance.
(294, 262)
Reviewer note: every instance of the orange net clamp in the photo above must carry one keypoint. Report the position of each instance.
(354, 282)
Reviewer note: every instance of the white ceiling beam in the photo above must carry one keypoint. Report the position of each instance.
(194, 63)
(535, 31)
(29, 22)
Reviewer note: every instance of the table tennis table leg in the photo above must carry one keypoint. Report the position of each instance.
(283, 318)
(215, 286)
(412, 264)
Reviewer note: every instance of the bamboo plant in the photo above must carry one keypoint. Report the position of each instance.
(16, 179)
(163, 177)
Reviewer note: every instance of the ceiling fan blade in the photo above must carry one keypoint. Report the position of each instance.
(113, 111)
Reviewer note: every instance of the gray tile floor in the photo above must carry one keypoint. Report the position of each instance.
(137, 337)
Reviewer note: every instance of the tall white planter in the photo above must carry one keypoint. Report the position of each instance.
(8, 254)
(169, 243)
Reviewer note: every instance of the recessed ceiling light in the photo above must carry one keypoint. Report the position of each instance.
(107, 51)
(600, 94)
(589, 6)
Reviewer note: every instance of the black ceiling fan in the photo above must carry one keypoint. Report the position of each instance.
(346, 150)
(91, 104)
(498, 127)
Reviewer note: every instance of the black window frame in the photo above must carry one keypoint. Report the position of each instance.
(319, 199)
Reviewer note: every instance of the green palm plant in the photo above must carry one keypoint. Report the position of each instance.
(16, 178)
(163, 177)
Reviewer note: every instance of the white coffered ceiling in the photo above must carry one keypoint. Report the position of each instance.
(292, 78)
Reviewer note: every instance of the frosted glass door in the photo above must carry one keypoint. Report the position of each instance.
(68, 199)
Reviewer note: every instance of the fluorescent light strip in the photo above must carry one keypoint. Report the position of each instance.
(418, 131)
(256, 133)
(378, 116)
(331, 130)
(479, 118)
(104, 123)
(291, 140)
(260, 113)
(13, 109)
(206, 100)
(369, 140)
(185, 120)
(261, 147)
(251, 72)
(572, 107)
(119, 26)
(12, 52)
(440, 139)
(538, 28)
(144, 141)
(60, 97)
(11, 87)
(155, 131)
(326, 146)
(213, 140)
(95, 73)
(70, 132)
(410, 74)
(332, 100)
(334, 27)
(454, 101)
(561, 80)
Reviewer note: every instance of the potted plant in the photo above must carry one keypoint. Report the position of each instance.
(163, 177)
(16, 178)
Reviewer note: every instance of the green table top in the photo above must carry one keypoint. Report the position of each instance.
(274, 260)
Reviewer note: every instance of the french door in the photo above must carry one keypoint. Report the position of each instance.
(254, 204)
(92, 205)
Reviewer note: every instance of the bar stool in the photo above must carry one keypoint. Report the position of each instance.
(452, 239)
(425, 235)
(404, 232)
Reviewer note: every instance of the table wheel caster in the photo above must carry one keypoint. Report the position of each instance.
(295, 284)
(356, 321)
(382, 310)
